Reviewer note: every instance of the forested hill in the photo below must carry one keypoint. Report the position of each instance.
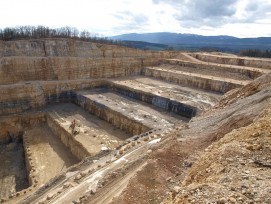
(191, 41)
(38, 32)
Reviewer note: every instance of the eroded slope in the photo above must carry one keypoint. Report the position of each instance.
(236, 165)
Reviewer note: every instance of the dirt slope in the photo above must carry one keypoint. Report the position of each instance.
(221, 156)
(236, 169)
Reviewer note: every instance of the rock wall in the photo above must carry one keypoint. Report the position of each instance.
(248, 62)
(168, 104)
(67, 138)
(70, 48)
(68, 59)
(26, 96)
(13, 127)
(251, 73)
(18, 69)
(112, 116)
(36, 72)
(192, 80)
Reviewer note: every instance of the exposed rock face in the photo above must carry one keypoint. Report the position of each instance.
(17, 69)
(12, 127)
(67, 138)
(67, 59)
(245, 61)
(25, 96)
(195, 80)
(68, 48)
(53, 61)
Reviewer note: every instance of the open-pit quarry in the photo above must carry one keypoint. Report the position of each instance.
(84, 122)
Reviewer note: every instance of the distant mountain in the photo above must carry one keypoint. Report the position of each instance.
(191, 41)
(145, 45)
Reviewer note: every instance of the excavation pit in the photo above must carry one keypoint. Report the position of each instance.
(47, 156)
(31, 154)
(91, 134)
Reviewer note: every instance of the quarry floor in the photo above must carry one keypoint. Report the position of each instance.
(93, 132)
(49, 155)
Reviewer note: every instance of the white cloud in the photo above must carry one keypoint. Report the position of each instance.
(241, 18)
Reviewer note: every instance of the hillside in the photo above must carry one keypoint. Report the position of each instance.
(192, 42)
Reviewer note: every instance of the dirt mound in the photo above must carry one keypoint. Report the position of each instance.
(237, 168)
(248, 90)
(168, 163)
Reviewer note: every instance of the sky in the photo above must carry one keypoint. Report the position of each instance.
(240, 18)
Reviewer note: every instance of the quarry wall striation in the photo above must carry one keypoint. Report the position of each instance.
(248, 62)
(13, 126)
(193, 80)
(26, 96)
(68, 59)
(249, 72)
(18, 69)
(70, 48)
(114, 117)
(156, 100)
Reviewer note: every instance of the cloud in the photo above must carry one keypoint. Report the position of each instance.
(130, 21)
(256, 11)
(217, 13)
(209, 17)
(197, 13)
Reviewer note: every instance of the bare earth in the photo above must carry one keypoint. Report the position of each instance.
(93, 133)
(50, 156)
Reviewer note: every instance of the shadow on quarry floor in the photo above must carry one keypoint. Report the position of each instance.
(13, 173)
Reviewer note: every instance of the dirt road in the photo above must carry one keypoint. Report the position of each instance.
(90, 182)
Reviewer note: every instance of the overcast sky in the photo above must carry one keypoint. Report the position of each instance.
(241, 18)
